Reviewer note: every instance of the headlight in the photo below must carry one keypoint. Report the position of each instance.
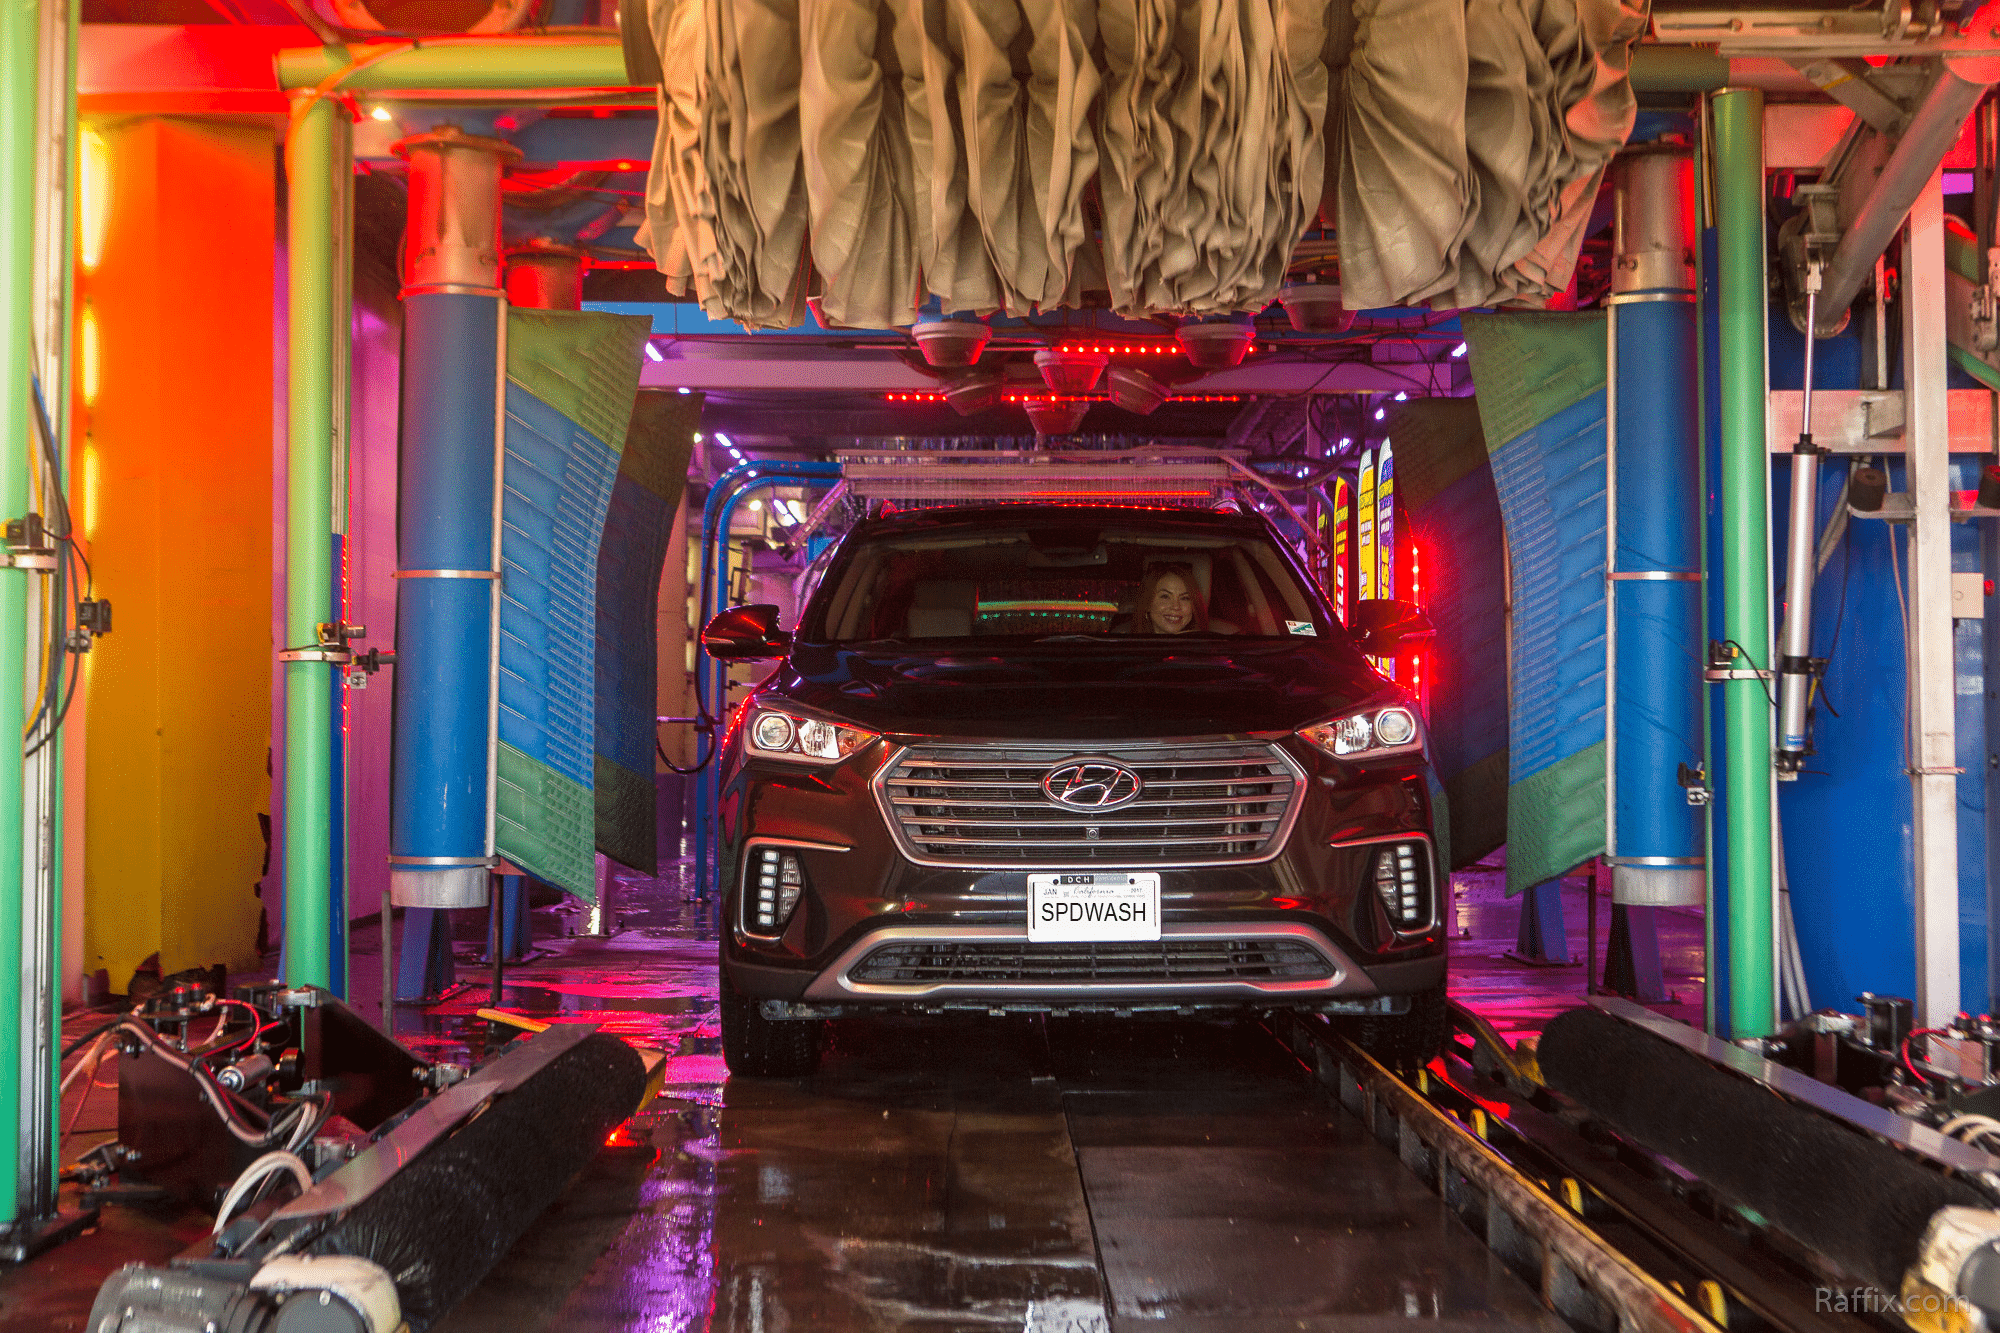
(1367, 734)
(807, 740)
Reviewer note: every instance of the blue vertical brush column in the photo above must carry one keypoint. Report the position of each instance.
(441, 839)
(1655, 838)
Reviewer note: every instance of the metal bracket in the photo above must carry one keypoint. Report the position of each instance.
(332, 644)
(1804, 243)
(1695, 780)
(1734, 673)
(27, 545)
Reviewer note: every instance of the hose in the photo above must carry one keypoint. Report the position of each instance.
(217, 1100)
(267, 1164)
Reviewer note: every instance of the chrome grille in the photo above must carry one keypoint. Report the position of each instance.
(985, 806)
(1167, 960)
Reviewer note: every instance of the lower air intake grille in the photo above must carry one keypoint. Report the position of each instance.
(1170, 960)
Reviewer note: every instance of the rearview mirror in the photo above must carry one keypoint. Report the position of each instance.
(1384, 624)
(744, 634)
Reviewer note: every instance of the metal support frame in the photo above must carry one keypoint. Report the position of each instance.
(1542, 939)
(712, 677)
(1869, 225)
(41, 957)
(19, 82)
(1931, 738)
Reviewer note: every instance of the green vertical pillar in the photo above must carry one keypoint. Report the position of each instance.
(19, 39)
(311, 157)
(1738, 127)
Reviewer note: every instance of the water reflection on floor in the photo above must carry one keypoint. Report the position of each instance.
(976, 1174)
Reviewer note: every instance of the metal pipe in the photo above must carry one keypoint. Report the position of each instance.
(545, 275)
(41, 985)
(312, 152)
(1738, 128)
(711, 676)
(448, 474)
(1932, 698)
(19, 85)
(1930, 134)
(462, 64)
(1801, 568)
(1655, 853)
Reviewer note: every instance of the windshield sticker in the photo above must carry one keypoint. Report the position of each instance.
(1304, 627)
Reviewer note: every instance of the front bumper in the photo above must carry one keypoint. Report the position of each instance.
(865, 894)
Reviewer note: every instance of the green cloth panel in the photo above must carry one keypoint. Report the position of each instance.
(1438, 442)
(1555, 819)
(627, 810)
(582, 363)
(582, 368)
(1527, 368)
(1478, 799)
(544, 823)
(638, 527)
(1444, 481)
(1531, 369)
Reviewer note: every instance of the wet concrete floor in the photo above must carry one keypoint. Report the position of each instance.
(975, 1173)
(1015, 1174)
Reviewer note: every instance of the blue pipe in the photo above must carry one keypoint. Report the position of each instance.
(444, 624)
(711, 677)
(1657, 620)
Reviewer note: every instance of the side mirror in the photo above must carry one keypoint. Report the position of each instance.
(745, 633)
(1384, 624)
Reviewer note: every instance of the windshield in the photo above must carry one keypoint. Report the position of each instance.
(1042, 576)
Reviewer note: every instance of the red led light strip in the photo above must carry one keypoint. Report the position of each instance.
(1066, 398)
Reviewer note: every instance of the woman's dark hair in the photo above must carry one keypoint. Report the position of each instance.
(1150, 584)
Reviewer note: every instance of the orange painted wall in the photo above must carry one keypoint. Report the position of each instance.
(173, 491)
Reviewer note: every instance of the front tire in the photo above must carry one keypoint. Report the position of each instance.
(1404, 1041)
(754, 1046)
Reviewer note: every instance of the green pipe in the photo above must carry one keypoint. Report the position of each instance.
(499, 63)
(1738, 126)
(311, 158)
(1678, 69)
(523, 63)
(19, 79)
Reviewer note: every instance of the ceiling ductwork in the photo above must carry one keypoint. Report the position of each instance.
(1055, 416)
(1070, 371)
(950, 343)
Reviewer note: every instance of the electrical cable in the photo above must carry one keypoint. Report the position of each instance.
(94, 1060)
(267, 1164)
(210, 1090)
(1971, 1129)
(704, 725)
(1910, 1064)
(89, 1036)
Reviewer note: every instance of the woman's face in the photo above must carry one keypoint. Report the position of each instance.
(1172, 608)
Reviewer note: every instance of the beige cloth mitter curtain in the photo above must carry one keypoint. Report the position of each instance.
(1153, 156)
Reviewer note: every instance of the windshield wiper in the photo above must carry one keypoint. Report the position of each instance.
(1076, 638)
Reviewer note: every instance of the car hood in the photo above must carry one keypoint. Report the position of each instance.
(1081, 691)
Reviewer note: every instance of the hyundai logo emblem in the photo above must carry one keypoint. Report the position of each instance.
(1092, 785)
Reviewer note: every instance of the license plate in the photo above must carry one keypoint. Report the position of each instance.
(1093, 905)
